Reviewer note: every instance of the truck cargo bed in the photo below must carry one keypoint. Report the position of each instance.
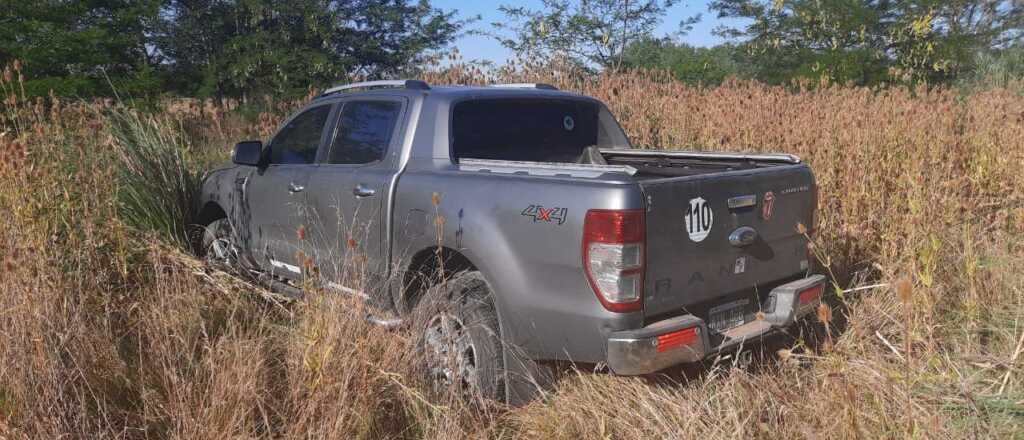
(654, 164)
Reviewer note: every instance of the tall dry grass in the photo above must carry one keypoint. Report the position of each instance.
(108, 333)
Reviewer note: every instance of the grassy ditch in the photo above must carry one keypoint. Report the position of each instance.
(110, 331)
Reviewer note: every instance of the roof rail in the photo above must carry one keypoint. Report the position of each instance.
(541, 86)
(413, 84)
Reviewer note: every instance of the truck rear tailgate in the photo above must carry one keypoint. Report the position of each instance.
(712, 239)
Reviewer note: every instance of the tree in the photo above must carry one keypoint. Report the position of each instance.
(234, 47)
(997, 68)
(841, 40)
(940, 40)
(869, 41)
(595, 32)
(79, 47)
(707, 66)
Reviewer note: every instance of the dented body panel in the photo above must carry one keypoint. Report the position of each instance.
(521, 224)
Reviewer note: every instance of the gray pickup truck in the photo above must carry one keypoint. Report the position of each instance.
(514, 225)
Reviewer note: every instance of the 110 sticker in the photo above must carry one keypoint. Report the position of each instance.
(699, 219)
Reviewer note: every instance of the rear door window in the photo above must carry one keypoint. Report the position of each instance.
(532, 129)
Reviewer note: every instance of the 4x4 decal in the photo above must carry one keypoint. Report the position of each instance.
(541, 214)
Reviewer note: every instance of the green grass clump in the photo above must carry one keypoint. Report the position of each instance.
(157, 189)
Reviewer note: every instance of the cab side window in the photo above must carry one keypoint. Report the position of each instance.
(364, 131)
(298, 141)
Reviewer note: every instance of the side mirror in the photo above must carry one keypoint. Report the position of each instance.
(248, 153)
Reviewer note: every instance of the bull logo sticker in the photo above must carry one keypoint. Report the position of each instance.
(767, 205)
(699, 219)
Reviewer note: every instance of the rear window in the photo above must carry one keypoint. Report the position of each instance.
(535, 130)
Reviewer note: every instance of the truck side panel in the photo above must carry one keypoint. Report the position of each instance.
(524, 234)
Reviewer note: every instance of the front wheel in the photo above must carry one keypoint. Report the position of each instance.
(458, 338)
(218, 246)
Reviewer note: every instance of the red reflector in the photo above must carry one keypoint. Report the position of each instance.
(811, 294)
(668, 341)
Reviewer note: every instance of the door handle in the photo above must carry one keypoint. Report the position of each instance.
(363, 191)
(294, 188)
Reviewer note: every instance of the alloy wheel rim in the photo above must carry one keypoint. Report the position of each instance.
(451, 354)
(221, 250)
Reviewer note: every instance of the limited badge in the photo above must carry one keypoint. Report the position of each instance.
(699, 219)
(767, 205)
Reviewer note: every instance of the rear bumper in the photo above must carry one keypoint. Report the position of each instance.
(632, 352)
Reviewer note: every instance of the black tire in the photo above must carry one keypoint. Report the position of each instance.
(475, 371)
(217, 244)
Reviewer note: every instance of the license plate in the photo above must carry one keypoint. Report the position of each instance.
(728, 315)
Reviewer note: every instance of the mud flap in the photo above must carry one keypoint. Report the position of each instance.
(525, 378)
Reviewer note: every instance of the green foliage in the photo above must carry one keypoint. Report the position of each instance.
(869, 42)
(995, 69)
(692, 65)
(143, 49)
(70, 85)
(75, 46)
(262, 46)
(595, 32)
(138, 48)
(157, 186)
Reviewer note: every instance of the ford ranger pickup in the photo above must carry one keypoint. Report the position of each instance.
(515, 225)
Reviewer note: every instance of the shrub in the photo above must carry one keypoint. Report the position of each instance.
(157, 188)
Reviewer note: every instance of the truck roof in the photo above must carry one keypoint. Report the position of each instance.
(456, 92)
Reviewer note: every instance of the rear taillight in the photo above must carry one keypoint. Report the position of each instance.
(810, 294)
(613, 257)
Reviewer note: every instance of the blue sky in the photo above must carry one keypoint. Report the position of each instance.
(484, 48)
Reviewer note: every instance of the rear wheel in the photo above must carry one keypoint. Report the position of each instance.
(458, 339)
